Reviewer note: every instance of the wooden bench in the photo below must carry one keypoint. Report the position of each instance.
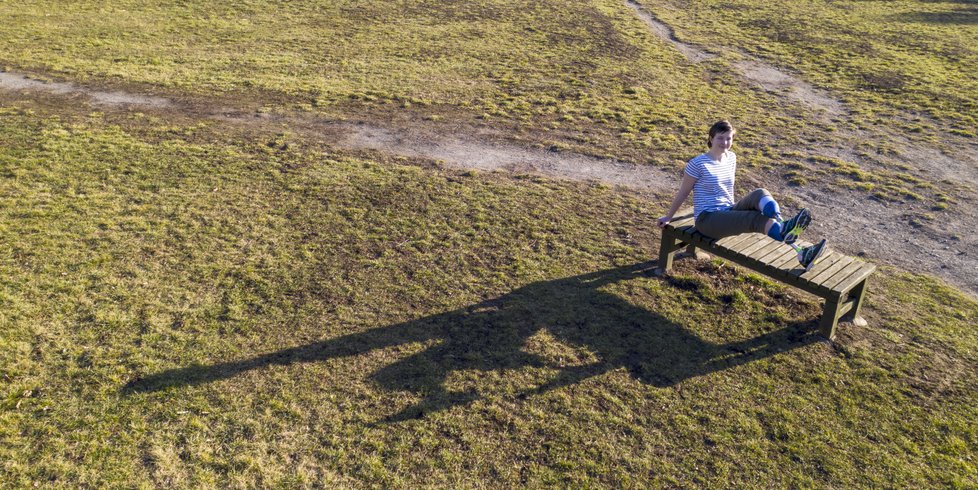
(839, 279)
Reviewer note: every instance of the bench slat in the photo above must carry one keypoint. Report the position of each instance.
(769, 247)
(785, 261)
(833, 264)
(707, 240)
(745, 244)
(727, 242)
(846, 283)
(682, 220)
(840, 274)
(686, 230)
(843, 262)
(750, 248)
(784, 258)
(774, 253)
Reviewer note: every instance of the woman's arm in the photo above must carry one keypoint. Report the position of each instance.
(684, 188)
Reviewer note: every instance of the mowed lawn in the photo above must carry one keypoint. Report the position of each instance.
(183, 310)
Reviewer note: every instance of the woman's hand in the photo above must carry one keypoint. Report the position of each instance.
(663, 221)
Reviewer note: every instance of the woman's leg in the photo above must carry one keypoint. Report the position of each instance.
(759, 200)
(757, 212)
(719, 224)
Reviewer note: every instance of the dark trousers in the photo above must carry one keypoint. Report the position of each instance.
(744, 217)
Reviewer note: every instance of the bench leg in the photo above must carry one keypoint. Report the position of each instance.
(830, 318)
(696, 253)
(857, 295)
(667, 250)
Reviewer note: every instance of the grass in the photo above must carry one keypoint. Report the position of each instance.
(190, 304)
(585, 74)
(889, 60)
(187, 309)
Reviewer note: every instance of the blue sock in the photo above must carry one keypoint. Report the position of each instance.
(769, 207)
(775, 231)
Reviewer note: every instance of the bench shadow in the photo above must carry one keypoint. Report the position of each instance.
(493, 335)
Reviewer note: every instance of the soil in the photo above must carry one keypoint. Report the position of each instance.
(883, 232)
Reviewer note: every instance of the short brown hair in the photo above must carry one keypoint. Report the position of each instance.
(718, 127)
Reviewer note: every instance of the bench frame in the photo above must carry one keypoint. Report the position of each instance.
(843, 297)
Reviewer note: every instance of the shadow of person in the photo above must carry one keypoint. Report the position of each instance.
(493, 336)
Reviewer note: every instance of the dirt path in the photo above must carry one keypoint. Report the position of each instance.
(876, 230)
(758, 73)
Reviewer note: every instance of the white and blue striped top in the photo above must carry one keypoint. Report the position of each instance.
(714, 186)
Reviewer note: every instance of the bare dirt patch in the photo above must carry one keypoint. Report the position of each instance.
(779, 82)
(13, 81)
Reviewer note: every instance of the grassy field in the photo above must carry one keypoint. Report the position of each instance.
(906, 63)
(582, 75)
(183, 312)
(586, 74)
(188, 303)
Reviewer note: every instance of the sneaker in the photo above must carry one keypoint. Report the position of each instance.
(808, 256)
(791, 229)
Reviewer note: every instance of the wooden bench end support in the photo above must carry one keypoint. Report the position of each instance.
(667, 251)
(846, 311)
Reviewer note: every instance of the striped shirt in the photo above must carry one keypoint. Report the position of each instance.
(714, 186)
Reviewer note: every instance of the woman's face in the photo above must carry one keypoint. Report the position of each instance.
(722, 141)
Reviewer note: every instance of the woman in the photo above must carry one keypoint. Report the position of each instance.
(710, 177)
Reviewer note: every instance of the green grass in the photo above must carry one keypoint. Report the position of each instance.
(191, 304)
(587, 75)
(183, 309)
(889, 60)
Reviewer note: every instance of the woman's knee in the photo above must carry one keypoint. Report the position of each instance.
(760, 192)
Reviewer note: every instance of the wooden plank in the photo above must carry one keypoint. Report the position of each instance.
(682, 215)
(798, 277)
(798, 271)
(828, 261)
(771, 254)
(743, 248)
(727, 242)
(854, 279)
(705, 240)
(785, 257)
(841, 274)
(753, 248)
(772, 270)
(786, 261)
(770, 246)
(681, 221)
(821, 267)
(839, 277)
(767, 270)
(743, 245)
(836, 262)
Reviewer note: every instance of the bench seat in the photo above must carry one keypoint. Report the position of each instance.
(839, 279)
